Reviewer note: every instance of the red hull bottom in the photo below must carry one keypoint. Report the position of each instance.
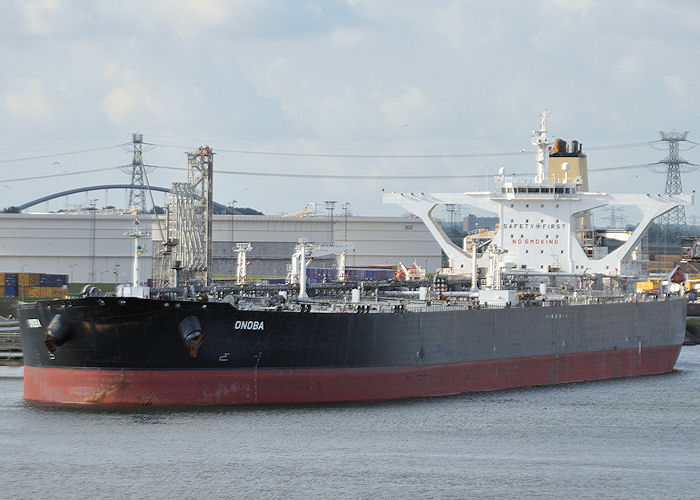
(274, 386)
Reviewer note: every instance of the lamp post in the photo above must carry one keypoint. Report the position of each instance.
(330, 206)
(23, 279)
(233, 244)
(346, 209)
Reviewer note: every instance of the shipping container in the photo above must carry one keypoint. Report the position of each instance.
(33, 291)
(369, 273)
(53, 280)
(275, 281)
(28, 279)
(11, 279)
(10, 290)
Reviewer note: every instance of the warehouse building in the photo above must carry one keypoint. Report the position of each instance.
(93, 247)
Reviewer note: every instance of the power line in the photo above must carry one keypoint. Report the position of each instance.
(330, 176)
(617, 146)
(302, 176)
(62, 174)
(318, 155)
(67, 153)
(401, 156)
(354, 176)
(622, 167)
(352, 155)
(370, 156)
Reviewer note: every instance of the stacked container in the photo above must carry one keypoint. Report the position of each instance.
(365, 273)
(33, 285)
(11, 284)
(28, 279)
(53, 280)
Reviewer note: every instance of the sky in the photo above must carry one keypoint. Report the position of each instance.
(303, 91)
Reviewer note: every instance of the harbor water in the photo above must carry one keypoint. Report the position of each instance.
(627, 438)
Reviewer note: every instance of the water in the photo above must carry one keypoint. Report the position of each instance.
(631, 438)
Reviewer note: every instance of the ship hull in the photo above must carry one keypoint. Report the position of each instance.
(130, 352)
(270, 386)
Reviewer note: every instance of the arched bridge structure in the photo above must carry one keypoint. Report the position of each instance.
(218, 207)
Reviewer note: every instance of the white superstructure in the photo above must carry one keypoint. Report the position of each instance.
(539, 222)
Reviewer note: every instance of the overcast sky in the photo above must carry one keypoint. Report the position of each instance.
(356, 77)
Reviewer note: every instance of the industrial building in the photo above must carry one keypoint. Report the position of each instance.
(93, 247)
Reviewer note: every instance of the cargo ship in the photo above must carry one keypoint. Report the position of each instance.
(534, 302)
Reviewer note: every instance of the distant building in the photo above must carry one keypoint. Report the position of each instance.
(473, 223)
(92, 247)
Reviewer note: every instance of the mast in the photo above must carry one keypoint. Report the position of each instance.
(136, 234)
(539, 139)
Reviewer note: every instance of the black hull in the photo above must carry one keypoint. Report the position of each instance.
(135, 335)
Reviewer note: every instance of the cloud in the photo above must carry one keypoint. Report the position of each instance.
(676, 87)
(628, 69)
(464, 26)
(185, 19)
(29, 103)
(347, 75)
(129, 98)
(54, 19)
(121, 102)
(39, 14)
(572, 7)
(406, 108)
(347, 37)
